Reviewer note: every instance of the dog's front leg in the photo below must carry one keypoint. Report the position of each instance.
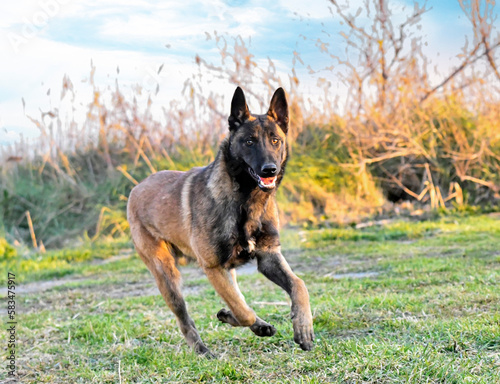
(274, 266)
(240, 313)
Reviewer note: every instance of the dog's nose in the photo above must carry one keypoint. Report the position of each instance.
(269, 169)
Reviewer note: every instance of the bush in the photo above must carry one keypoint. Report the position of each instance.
(7, 251)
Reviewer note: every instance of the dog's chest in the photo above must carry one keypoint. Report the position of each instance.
(245, 238)
(240, 226)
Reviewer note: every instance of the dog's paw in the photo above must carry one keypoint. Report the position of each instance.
(303, 333)
(263, 329)
(202, 350)
(304, 337)
(225, 316)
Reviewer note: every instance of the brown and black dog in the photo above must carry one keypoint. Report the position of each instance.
(223, 215)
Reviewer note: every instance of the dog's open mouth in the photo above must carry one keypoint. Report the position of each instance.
(263, 182)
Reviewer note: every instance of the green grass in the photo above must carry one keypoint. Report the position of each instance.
(34, 266)
(427, 312)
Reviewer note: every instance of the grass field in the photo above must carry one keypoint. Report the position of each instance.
(415, 302)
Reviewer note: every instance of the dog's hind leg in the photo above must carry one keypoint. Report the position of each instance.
(240, 314)
(158, 257)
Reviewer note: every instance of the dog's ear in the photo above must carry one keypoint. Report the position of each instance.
(278, 110)
(239, 110)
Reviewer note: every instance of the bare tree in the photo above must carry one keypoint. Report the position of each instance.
(411, 145)
(380, 54)
(481, 16)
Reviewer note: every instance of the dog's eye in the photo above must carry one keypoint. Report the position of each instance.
(249, 142)
(274, 141)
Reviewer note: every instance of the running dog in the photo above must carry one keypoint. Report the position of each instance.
(223, 215)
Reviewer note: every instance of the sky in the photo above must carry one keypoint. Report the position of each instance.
(41, 41)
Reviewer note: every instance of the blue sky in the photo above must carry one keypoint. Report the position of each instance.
(42, 40)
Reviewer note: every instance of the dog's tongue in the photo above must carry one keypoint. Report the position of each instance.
(267, 180)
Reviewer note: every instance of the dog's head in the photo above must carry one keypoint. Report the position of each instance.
(258, 142)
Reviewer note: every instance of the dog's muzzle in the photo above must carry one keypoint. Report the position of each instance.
(263, 182)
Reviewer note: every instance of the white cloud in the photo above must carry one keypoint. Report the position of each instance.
(42, 65)
(16, 11)
(173, 20)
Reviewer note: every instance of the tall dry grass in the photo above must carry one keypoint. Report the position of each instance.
(401, 134)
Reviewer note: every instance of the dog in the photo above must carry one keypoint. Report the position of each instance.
(223, 215)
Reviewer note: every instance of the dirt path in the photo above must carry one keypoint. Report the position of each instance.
(126, 289)
(96, 285)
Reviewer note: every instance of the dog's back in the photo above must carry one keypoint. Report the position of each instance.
(158, 206)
